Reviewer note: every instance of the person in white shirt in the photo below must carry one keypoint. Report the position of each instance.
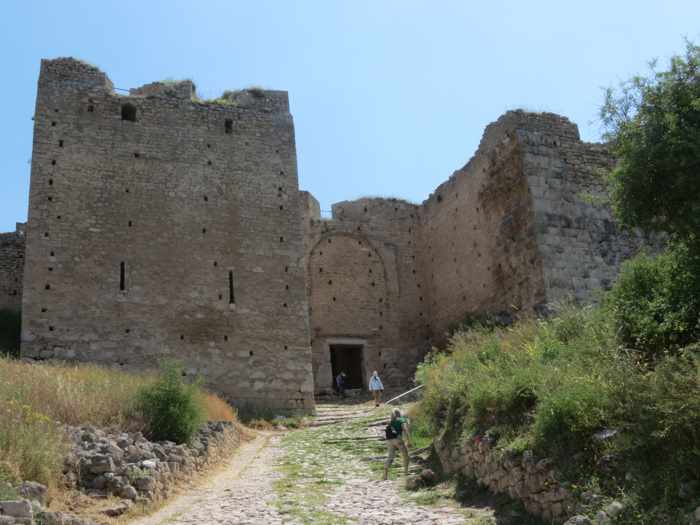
(376, 387)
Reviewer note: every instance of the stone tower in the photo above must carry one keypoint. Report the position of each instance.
(162, 226)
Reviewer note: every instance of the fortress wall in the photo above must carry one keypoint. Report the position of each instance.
(363, 287)
(199, 204)
(581, 245)
(522, 226)
(11, 268)
(478, 251)
(164, 226)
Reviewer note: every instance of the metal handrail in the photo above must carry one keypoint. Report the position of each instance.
(404, 394)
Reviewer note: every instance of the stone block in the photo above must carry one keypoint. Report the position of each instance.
(17, 508)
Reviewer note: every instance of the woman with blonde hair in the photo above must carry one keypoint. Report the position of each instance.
(376, 387)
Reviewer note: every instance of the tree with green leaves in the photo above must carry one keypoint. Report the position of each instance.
(653, 124)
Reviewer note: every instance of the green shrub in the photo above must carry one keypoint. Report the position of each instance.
(661, 410)
(655, 303)
(550, 386)
(173, 410)
(568, 416)
(10, 332)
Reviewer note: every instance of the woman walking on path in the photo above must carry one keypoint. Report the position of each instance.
(397, 438)
(376, 387)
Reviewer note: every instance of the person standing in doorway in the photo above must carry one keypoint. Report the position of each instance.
(376, 387)
(397, 438)
(340, 384)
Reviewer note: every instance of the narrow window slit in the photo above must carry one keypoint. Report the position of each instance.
(122, 277)
(228, 126)
(231, 296)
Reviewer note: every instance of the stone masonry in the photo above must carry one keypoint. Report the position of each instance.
(11, 268)
(163, 226)
(522, 226)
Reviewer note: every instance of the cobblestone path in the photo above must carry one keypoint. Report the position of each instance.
(310, 476)
(241, 494)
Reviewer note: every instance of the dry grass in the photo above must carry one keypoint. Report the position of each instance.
(218, 409)
(36, 400)
(74, 394)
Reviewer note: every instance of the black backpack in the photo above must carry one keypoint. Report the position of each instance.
(390, 432)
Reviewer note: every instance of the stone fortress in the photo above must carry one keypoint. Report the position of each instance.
(163, 226)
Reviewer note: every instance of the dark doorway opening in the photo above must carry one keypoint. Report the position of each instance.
(348, 359)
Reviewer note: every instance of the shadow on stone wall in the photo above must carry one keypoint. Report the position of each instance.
(10, 331)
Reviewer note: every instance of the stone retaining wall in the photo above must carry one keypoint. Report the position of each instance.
(123, 465)
(129, 466)
(532, 482)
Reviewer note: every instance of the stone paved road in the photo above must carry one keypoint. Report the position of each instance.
(244, 493)
(241, 494)
(379, 503)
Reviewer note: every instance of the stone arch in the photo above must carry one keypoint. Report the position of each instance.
(348, 285)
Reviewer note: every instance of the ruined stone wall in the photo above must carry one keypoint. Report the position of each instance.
(522, 226)
(11, 268)
(478, 249)
(581, 245)
(160, 226)
(364, 288)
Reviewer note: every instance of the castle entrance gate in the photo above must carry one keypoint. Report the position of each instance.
(351, 360)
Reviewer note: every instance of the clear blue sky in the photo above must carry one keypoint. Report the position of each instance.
(388, 97)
